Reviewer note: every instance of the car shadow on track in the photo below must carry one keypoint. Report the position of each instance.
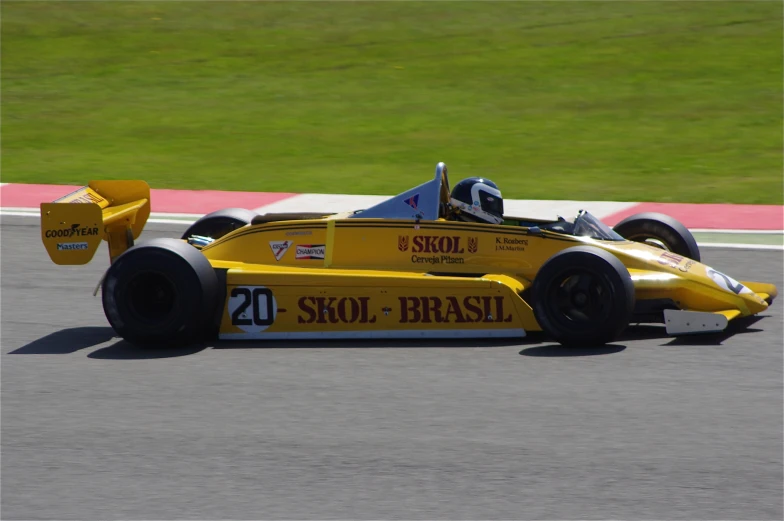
(123, 350)
(740, 326)
(636, 332)
(369, 344)
(67, 341)
(71, 340)
(716, 339)
(559, 351)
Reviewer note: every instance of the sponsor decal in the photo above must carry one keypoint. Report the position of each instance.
(279, 248)
(435, 244)
(310, 251)
(83, 195)
(303, 232)
(75, 230)
(457, 310)
(726, 282)
(437, 259)
(69, 246)
(674, 261)
(413, 201)
(88, 198)
(252, 308)
(510, 244)
(335, 310)
(473, 244)
(412, 310)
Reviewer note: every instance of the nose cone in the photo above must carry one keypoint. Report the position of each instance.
(755, 302)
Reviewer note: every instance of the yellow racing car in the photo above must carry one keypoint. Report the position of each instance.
(413, 266)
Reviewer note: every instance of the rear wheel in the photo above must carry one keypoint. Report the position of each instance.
(583, 296)
(661, 231)
(161, 293)
(219, 223)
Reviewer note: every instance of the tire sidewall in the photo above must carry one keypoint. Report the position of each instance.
(219, 223)
(614, 277)
(195, 287)
(670, 232)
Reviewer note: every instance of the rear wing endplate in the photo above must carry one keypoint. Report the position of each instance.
(73, 226)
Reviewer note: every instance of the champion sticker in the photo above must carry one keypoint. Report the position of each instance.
(310, 251)
(279, 248)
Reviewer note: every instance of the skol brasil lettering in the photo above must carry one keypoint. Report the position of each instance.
(674, 261)
(436, 244)
(456, 310)
(670, 258)
(334, 310)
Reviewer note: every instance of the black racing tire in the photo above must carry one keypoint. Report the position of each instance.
(161, 293)
(661, 231)
(583, 296)
(220, 222)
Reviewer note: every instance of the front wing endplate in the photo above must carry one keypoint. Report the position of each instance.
(679, 322)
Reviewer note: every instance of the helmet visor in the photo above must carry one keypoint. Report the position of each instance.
(491, 203)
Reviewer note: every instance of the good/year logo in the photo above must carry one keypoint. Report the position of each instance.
(75, 230)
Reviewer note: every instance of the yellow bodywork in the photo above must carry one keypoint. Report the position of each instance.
(373, 275)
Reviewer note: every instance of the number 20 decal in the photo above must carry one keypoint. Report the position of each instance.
(726, 282)
(252, 308)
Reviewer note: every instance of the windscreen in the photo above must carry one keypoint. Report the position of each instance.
(586, 225)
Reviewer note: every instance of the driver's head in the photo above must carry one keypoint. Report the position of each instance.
(478, 200)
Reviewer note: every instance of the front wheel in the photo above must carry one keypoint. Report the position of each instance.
(661, 231)
(583, 296)
(161, 293)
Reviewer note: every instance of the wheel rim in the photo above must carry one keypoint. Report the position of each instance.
(580, 299)
(151, 297)
(650, 240)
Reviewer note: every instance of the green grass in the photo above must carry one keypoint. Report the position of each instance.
(652, 101)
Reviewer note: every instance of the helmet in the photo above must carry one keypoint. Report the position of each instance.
(478, 200)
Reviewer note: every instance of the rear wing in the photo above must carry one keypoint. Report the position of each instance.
(73, 226)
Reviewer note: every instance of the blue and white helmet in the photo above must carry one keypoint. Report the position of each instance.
(479, 199)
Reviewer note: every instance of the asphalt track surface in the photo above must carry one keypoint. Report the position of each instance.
(649, 427)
